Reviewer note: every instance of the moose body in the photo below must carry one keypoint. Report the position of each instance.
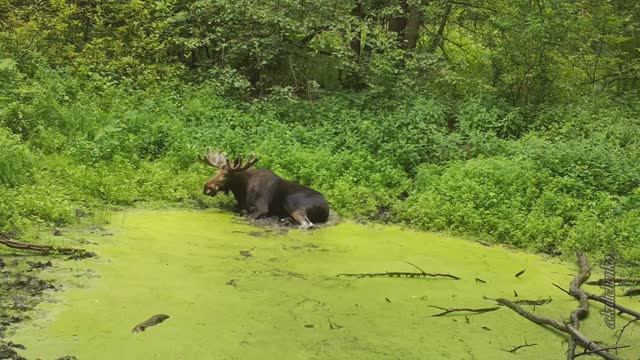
(260, 192)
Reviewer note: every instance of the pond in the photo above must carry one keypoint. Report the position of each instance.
(236, 291)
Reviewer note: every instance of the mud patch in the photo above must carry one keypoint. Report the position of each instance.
(20, 290)
(8, 353)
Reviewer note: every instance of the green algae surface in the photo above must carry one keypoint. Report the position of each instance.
(235, 291)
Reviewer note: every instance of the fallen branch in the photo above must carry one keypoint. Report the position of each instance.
(579, 338)
(415, 266)
(47, 249)
(560, 287)
(621, 308)
(412, 275)
(572, 327)
(526, 302)
(540, 320)
(618, 281)
(533, 302)
(618, 334)
(582, 311)
(606, 348)
(515, 349)
(632, 292)
(591, 346)
(451, 310)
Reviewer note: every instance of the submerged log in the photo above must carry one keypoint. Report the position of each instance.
(452, 310)
(47, 249)
(400, 274)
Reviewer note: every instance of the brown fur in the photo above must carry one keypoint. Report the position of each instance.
(262, 193)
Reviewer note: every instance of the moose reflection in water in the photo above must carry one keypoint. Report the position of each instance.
(262, 193)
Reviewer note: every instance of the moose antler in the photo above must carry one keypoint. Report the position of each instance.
(217, 159)
(237, 164)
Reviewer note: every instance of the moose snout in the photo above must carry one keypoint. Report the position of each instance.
(209, 191)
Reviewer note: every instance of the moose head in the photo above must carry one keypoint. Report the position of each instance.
(226, 170)
(262, 193)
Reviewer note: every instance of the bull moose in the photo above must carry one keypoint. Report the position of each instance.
(261, 193)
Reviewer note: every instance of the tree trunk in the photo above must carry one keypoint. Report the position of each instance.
(398, 23)
(439, 36)
(414, 22)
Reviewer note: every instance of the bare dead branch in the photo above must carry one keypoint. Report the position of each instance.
(605, 348)
(533, 302)
(618, 281)
(581, 312)
(515, 349)
(591, 346)
(46, 249)
(618, 334)
(571, 328)
(632, 292)
(621, 308)
(525, 301)
(452, 310)
(401, 274)
(578, 337)
(560, 287)
(540, 320)
(415, 266)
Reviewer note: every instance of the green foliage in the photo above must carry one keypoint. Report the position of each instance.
(16, 161)
(516, 121)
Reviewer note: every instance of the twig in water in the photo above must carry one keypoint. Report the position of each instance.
(533, 302)
(591, 352)
(415, 266)
(601, 299)
(618, 334)
(449, 311)
(334, 326)
(46, 249)
(515, 349)
(632, 292)
(526, 302)
(401, 274)
(564, 328)
(618, 281)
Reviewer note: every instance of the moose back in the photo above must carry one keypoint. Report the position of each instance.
(262, 193)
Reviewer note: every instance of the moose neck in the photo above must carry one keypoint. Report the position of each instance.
(237, 183)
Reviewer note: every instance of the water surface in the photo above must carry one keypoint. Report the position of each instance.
(235, 291)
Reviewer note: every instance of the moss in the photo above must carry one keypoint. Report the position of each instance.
(236, 291)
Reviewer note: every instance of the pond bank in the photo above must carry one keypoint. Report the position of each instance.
(232, 290)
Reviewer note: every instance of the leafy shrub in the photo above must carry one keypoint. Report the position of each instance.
(490, 196)
(16, 161)
(560, 187)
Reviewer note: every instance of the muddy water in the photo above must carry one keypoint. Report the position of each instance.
(234, 291)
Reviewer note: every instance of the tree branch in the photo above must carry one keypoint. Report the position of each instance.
(46, 249)
(449, 311)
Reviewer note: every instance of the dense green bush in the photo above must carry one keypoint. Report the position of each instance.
(474, 165)
(16, 160)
